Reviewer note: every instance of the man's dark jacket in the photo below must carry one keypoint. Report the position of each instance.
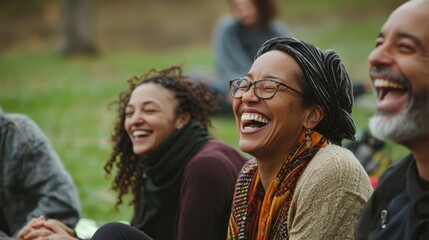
(392, 183)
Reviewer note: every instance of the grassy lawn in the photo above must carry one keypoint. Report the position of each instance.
(69, 97)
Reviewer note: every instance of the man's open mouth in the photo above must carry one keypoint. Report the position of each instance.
(392, 96)
(388, 89)
(385, 87)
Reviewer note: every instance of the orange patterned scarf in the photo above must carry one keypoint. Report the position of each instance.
(260, 214)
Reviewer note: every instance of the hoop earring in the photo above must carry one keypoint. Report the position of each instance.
(307, 138)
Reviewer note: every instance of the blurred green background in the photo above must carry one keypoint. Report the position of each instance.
(68, 96)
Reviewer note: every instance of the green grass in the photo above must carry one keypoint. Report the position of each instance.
(69, 98)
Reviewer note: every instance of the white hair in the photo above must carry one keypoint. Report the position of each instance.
(411, 123)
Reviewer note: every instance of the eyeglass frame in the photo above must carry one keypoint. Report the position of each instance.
(254, 83)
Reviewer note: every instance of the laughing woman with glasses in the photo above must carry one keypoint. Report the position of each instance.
(293, 109)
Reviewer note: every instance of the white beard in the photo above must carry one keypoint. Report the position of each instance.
(411, 123)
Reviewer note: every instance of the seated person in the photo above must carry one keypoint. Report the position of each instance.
(33, 180)
(293, 109)
(180, 177)
(399, 206)
(236, 39)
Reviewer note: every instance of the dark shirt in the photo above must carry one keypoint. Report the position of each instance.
(397, 211)
(3, 226)
(205, 198)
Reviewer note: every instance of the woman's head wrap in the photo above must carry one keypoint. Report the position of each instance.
(325, 82)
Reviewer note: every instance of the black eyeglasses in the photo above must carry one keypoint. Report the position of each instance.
(264, 88)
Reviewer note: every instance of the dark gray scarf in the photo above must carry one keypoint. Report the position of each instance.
(163, 171)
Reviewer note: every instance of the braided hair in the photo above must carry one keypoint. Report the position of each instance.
(325, 82)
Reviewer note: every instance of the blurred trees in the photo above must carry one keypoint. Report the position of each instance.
(77, 27)
(86, 26)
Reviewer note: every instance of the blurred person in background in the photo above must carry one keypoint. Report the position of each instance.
(33, 180)
(180, 177)
(373, 154)
(236, 39)
(399, 69)
(293, 109)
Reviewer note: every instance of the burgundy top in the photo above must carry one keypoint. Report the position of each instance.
(206, 196)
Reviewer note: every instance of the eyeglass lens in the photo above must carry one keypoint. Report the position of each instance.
(263, 88)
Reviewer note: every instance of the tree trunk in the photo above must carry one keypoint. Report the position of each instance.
(77, 27)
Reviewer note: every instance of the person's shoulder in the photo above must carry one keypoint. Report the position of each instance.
(337, 164)
(281, 28)
(225, 22)
(226, 19)
(18, 119)
(215, 163)
(21, 125)
(21, 137)
(217, 148)
(400, 164)
(333, 154)
(334, 169)
(215, 153)
(396, 170)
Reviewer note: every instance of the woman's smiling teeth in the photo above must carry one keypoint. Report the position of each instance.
(140, 133)
(250, 121)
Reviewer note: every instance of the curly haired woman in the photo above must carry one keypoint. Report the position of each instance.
(180, 177)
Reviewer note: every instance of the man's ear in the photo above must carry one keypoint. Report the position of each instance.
(315, 114)
(182, 120)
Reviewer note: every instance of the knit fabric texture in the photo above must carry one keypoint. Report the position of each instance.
(329, 196)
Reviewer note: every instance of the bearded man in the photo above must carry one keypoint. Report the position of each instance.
(399, 69)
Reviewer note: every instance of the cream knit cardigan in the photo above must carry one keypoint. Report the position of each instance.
(329, 196)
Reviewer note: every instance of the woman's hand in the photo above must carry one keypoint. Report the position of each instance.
(42, 229)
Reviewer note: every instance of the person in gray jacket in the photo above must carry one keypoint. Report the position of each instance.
(236, 39)
(33, 180)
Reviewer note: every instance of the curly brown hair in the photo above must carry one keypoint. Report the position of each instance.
(194, 98)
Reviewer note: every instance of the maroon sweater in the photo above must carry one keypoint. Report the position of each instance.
(205, 198)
